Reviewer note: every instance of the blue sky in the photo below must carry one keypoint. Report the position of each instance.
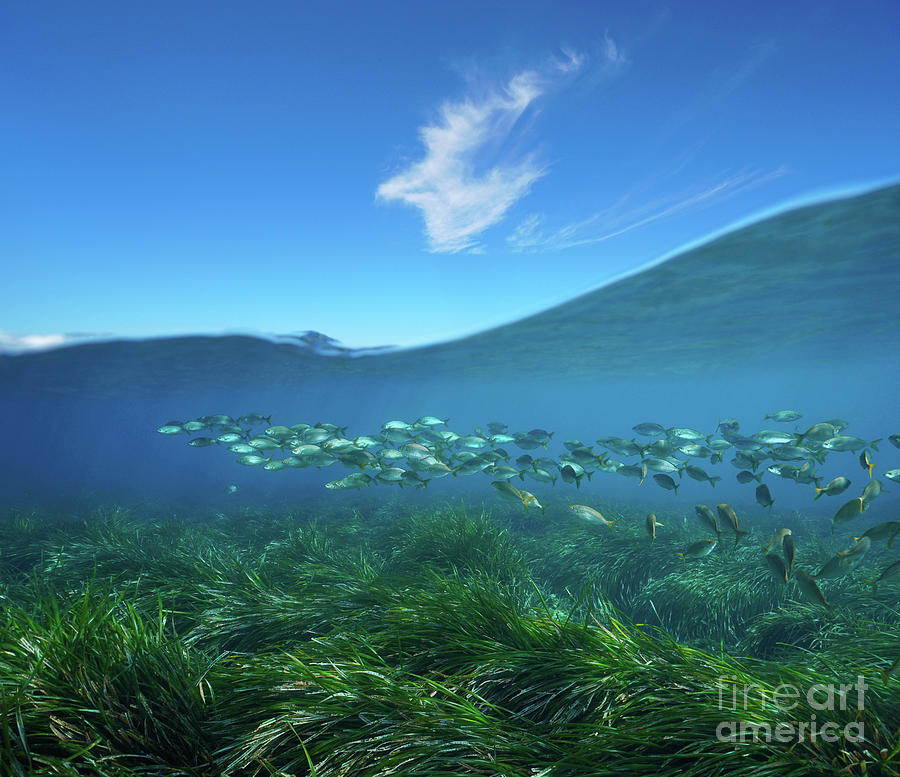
(405, 172)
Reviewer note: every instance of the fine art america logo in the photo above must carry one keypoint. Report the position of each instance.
(735, 697)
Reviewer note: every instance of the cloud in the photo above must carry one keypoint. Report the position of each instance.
(458, 201)
(572, 63)
(529, 235)
(611, 52)
(10, 343)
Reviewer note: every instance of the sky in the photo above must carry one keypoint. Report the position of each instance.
(399, 172)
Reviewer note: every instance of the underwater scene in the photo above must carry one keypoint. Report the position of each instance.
(655, 529)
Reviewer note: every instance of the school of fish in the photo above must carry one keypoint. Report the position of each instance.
(413, 453)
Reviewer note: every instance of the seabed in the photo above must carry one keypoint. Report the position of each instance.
(447, 640)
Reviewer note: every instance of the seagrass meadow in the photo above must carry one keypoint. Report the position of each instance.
(393, 639)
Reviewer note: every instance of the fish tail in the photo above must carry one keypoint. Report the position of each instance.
(870, 469)
(874, 444)
(819, 492)
(712, 481)
(675, 489)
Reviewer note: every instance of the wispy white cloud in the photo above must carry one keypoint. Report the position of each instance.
(620, 218)
(11, 343)
(572, 61)
(611, 53)
(458, 200)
